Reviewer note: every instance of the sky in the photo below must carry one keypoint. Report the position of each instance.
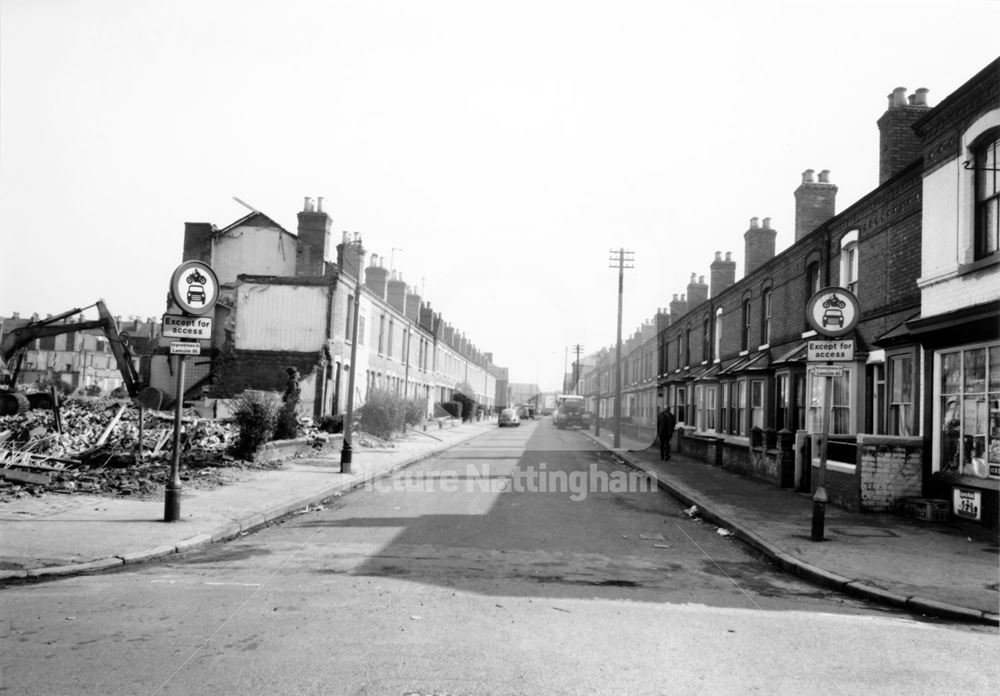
(492, 152)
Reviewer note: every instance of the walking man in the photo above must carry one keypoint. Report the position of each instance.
(665, 424)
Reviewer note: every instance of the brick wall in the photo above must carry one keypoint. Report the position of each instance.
(890, 469)
(842, 489)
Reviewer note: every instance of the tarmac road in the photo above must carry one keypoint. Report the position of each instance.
(454, 577)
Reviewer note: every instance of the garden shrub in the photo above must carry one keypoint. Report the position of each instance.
(256, 414)
(382, 414)
(414, 411)
(332, 424)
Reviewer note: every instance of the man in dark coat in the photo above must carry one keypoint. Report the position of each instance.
(665, 424)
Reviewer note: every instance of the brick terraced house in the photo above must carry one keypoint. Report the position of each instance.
(916, 412)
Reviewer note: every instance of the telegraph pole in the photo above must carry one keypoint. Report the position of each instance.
(578, 348)
(621, 259)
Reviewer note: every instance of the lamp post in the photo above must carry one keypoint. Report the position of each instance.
(346, 454)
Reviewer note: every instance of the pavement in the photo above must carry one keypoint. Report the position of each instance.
(942, 569)
(936, 569)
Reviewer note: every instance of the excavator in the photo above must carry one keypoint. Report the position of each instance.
(12, 352)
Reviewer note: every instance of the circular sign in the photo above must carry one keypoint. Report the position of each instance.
(833, 312)
(194, 287)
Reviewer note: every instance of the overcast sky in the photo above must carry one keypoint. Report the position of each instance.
(494, 151)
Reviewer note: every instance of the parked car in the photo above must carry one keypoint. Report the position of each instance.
(508, 416)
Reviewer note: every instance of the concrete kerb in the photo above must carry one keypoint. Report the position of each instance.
(807, 571)
(233, 529)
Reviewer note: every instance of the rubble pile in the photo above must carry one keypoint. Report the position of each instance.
(93, 447)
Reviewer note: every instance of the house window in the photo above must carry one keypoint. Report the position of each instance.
(361, 329)
(687, 345)
(969, 398)
(706, 339)
(745, 337)
(381, 335)
(799, 398)
(349, 329)
(710, 398)
(757, 403)
(900, 389)
(717, 352)
(987, 213)
(699, 407)
(849, 261)
(740, 424)
(782, 401)
(766, 313)
(388, 345)
(840, 418)
(681, 405)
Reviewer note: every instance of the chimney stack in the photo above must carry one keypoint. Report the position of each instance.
(899, 145)
(395, 292)
(678, 308)
(697, 291)
(413, 305)
(198, 241)
(376, 276)
(814, 202)
(351, 255)
(759, 244)
(314, 240)
(427, 317)
(723, 273)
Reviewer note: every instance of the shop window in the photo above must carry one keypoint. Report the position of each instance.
(799, 399)
(969, 392)
(987, 196)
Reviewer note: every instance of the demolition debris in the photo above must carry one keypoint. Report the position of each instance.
(93, 446)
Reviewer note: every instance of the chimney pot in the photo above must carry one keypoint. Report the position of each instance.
(718, 256)
(824, 176)
(319, 204)
(767, 223)
(920, 97)
(701, 279)
(693, 276)
(807, 176)
(899, 96)
(729, 256)
(307, 205)
(754, 223)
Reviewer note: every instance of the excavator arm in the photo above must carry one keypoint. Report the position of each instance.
(21, 337)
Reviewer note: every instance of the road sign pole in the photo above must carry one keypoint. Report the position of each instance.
(172, 498)
(820, 497)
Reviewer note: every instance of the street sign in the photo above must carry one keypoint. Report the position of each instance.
(820, 351)
(184, 348)
(177, 326)
(833, 312)
(827, 370)
(194, 288)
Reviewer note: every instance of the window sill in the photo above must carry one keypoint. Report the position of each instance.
(985, 262)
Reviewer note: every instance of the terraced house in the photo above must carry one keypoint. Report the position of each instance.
(917, 411)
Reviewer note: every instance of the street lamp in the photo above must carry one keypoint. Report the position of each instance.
(346, 454)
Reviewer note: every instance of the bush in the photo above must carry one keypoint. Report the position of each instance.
(286, 426)
(469, 406)
(256, 414)
(382, 415)
(91, 390)
(414, 411)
